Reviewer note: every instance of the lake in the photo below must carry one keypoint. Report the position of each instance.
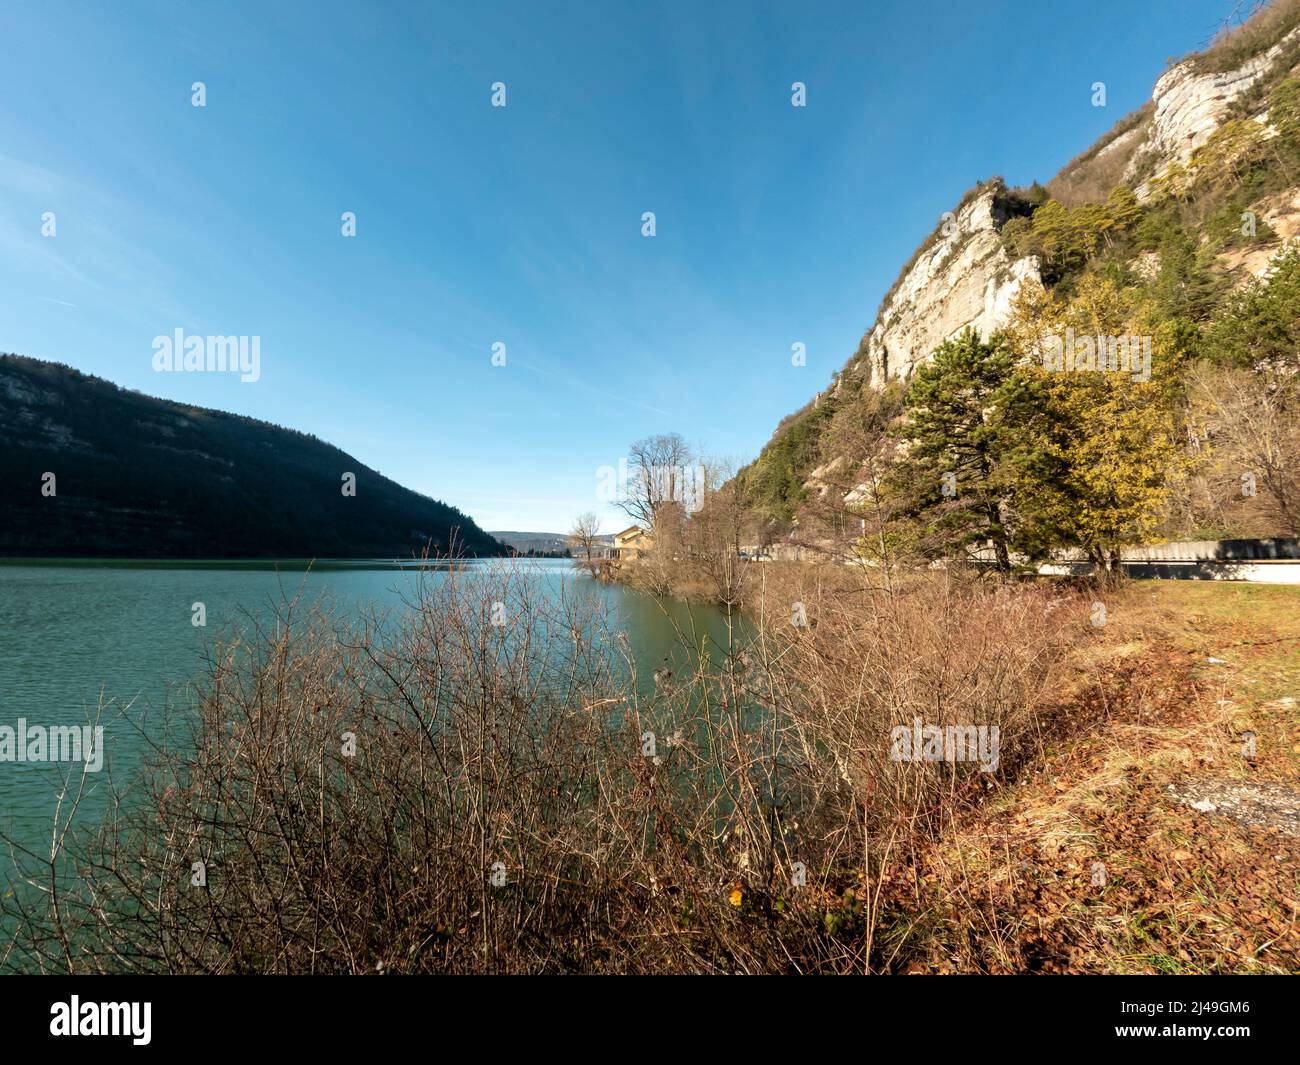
(75, 631)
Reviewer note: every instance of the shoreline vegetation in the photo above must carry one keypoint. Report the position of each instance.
(453, 795)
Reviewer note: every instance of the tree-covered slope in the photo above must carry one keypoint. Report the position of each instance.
(1177, 225)
(141, 477)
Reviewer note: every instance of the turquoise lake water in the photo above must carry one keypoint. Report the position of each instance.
(74, 632)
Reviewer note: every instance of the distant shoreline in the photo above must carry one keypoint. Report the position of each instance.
(133, 562)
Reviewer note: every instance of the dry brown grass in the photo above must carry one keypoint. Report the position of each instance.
(1240, 39)
(1091, 176)
(1011, 889)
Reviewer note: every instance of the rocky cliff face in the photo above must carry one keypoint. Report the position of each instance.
(1189, 105)
(963, 279)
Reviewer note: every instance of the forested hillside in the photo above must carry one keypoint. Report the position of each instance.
(141, 477)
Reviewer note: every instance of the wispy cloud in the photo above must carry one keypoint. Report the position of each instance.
(585, 386)
(87, 252)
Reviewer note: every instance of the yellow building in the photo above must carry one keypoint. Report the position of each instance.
(631, 543)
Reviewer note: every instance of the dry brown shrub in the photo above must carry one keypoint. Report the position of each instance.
(521, 800)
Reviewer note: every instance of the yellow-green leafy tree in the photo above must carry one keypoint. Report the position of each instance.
(1104, 447)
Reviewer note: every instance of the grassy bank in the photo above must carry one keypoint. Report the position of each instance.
(1199, 842)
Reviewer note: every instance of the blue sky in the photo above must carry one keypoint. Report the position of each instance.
(520, 224)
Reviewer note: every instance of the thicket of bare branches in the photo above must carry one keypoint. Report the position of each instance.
(1249, 476)
(519, 799)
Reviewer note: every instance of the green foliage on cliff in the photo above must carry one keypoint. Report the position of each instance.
(1261, 323)
(774, 482)
(1065, 239)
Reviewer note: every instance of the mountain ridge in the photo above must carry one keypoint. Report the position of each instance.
(140, 476)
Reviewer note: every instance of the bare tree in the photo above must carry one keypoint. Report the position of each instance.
(853, 510)
(585, 534)
(659, 478)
